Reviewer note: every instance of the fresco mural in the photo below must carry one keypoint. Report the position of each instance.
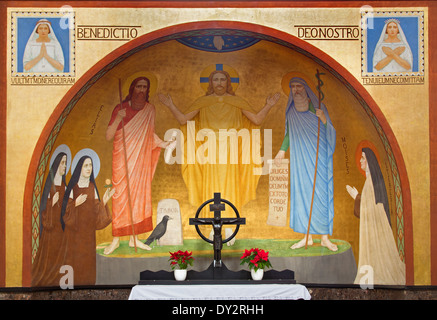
(43, 45)
(46, 265)
(393, 44)
(136, 150)
(204, 111)
(377, 245)
(303, 137)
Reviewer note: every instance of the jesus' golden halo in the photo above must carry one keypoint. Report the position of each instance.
(204, 75)
(127, 82)
(295, 74)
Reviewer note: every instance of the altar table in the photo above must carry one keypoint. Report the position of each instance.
(220, 292)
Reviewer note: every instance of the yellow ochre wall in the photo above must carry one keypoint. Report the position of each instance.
(28, 108)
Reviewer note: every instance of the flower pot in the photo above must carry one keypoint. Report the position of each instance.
(257, 275)
(180, 274)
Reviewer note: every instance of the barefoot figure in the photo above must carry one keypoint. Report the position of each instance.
(302, 116)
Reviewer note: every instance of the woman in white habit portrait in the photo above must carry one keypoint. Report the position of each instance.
(392, 52)
(43, 52)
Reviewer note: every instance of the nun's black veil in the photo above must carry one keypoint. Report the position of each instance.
(378, 181)
(49, 184)
(73, 181)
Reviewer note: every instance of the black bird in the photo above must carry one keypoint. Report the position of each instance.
(159, 231)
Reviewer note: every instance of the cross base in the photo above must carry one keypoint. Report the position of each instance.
(219, 273)
(213, 275)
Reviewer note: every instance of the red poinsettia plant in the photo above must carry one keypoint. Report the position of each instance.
(181, 259)
(256, 259)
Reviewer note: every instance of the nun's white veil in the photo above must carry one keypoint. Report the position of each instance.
(35, 35)
(33, 48)
(378, 55)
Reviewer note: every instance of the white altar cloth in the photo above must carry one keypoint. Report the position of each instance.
(220, 292)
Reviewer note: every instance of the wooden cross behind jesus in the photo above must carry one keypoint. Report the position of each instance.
(217, 223)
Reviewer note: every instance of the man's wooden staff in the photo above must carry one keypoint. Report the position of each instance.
(126, 166)
(320, 83)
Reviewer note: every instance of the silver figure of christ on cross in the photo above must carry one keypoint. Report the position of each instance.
(217, 223)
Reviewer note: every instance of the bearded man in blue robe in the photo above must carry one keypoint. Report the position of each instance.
(302, 116)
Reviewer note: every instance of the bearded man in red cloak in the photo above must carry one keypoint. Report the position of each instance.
(141, 148)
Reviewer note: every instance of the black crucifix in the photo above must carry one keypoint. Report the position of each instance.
(217, 223)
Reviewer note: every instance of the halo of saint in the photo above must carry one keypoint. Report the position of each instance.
(149, 75)
(285, 83)
(358, 154)
(204, 75)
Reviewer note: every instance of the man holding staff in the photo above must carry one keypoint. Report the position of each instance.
(307, 143)
(136, 149)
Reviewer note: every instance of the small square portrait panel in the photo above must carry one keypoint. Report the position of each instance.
(392, 44)
(42, 45)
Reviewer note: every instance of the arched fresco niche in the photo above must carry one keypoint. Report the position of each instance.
(260, 61)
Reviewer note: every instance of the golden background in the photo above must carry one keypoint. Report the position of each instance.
(260, 68)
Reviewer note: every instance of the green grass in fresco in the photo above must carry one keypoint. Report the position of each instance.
(276, 248)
